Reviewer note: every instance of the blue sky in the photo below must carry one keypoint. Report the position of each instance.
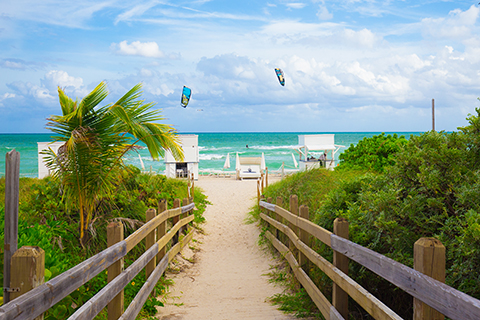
(353, 65)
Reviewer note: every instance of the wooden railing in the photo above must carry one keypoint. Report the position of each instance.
(155, 260)
(293, 244)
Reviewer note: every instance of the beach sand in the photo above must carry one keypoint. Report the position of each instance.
(228, 277)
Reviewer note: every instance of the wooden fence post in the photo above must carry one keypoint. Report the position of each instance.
(115, 235)
(340, 297)
(150, 241)
(263, 181)
(28, 271)
(429, 259)
(176, 204)
(304, 237)
(258, 191)
(294, 210)
(162, 228)
(278, 217)
(185, 202)
(193, 187)
(12, 186)
(266, 177)
(270, 214)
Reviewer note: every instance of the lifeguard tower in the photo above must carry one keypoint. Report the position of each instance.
(176, 169)
(323, 144)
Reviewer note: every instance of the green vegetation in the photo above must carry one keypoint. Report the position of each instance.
(373, 153)
(429, 187)
(44, 221)
(95, 139)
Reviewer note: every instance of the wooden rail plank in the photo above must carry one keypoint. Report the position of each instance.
(142, 232)
(93, 306)
(171, 233)
(447, 300)
(40, 299)
(365, 299)
(308, 226)
(99, 301)
(318, 298)
(136, 306)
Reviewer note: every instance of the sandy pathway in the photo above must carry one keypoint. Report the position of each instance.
(228, 280)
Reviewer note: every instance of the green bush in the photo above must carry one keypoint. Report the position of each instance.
(430, 188)
(375, 153)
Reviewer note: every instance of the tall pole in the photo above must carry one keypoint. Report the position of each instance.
(12, 175)
(433, 114)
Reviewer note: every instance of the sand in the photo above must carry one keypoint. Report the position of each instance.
(227, 279)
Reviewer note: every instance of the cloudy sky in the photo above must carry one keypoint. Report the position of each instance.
(350, 65)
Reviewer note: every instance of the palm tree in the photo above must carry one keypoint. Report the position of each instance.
(96, 138)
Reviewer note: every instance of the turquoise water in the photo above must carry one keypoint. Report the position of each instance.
(213, 148)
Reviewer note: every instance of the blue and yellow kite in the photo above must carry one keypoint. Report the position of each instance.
(186, 94)
(280, 76)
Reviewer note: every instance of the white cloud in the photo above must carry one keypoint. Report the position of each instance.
(59, 78)
(296, 5)
(362, 37)
(323, 13)
(458, 25)
(143, 49)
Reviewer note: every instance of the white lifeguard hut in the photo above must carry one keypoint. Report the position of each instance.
(317, 143)
(43, 171)
(176, 169)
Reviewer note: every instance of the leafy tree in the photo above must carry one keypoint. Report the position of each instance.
(96, 138)
(373, 153)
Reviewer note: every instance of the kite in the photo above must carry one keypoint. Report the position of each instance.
(280, 76)
(186, 96)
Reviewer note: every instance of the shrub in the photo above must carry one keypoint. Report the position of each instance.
(373, 153)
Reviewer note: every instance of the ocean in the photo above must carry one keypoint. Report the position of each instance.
(213, 149)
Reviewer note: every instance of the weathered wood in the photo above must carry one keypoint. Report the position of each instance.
(115, 235)
(40, 299)
(95, 305)
(293, 205)
(304, 237)
(266, 177)
(317, 297)
(149, 241)
(174, 231)
(28, 266)
(162, 228)
(448, 301)
(258, 191)
(136, 306)
(184, 204)
(308, 226)
(263, 182)
(142, 232)
(176, 204)
(366, 300)
(278, 217)
(429, 259)
(339, 296)
(193, 187)
(12, 185)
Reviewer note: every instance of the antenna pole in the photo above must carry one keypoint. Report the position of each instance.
(433, 114)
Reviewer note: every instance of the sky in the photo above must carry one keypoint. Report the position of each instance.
(349, 65)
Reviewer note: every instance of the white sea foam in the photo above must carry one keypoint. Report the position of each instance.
(271, 147)
(211, 156)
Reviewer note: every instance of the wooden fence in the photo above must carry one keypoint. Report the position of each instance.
(35, 302)
(290, 232)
